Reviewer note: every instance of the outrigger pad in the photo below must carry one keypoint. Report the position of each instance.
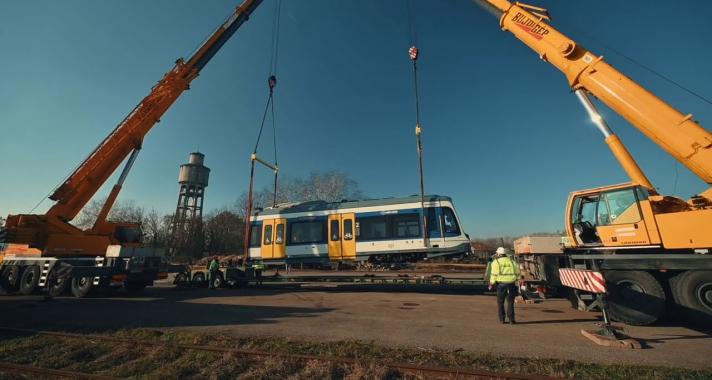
(611, 336)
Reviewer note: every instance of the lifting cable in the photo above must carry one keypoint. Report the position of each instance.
(413, 54)
(269, 107)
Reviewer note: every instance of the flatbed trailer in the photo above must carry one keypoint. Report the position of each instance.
(242, 276)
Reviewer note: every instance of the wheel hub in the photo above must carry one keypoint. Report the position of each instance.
(704, 295)
(630, 289)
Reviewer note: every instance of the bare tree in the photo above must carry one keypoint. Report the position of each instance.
(224, 232)
(2, 230)
(331, 186)
(123, 211)
(156, 229)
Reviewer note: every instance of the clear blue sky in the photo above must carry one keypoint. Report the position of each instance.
(502, 133)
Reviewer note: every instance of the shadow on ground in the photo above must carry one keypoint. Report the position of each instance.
(156, 308)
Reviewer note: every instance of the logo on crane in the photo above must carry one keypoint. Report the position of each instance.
(534, 28)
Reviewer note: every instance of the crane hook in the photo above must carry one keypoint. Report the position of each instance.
(413, 53)
(272, 82)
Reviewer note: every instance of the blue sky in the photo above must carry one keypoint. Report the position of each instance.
(503, 135)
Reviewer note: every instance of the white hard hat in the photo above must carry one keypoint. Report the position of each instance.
(501, 251)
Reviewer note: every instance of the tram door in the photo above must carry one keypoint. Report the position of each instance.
(342, 240)
(348, 236)
(279, 250)
(273, 238)
(267, 239)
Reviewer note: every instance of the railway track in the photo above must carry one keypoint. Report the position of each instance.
(26, 370)
(433, 372)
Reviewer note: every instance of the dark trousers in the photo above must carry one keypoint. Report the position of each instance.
(211, 277)
(508, 292)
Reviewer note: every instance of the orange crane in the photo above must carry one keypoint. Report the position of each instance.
(32, 240)
(647, 245)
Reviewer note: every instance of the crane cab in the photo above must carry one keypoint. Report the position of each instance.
(613, 216)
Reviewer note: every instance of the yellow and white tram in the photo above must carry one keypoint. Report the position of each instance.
(378, 230)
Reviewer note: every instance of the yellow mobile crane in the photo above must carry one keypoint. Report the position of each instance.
(648, 245)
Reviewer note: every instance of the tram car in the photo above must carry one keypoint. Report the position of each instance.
(378, 230)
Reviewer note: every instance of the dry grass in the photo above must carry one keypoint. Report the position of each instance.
(168, 361)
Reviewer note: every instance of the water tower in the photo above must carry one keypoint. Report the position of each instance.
(193, 179)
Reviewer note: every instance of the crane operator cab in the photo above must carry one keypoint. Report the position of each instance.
(612, 216)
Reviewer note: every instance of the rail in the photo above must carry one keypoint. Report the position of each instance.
(405, 368)
(54, 373)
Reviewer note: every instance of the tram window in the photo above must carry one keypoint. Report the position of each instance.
(348, 229)
(433, 222)
(406, 226)
(279, 239)
(268, 235)
(373, 228)
(255, 235)
(335, 230)
(306, 232)
(450, 226)
(623, 206)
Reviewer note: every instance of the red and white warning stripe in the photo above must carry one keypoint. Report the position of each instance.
(582, 279)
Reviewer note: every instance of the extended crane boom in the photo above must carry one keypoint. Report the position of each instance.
(675, 132)
(52, 231)
(86, 180)
(629, 232)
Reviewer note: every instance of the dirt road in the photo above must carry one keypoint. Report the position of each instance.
(445, 319)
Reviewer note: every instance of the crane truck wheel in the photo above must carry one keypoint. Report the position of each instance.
(181, 280)
(56, 284)
(217, 281)
(82, 286)
(199, 279)
(634, 297)
(10, 278)
(29, 279)
(692, 291)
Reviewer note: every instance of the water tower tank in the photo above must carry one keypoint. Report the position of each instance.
(193, 179)
(194, 172)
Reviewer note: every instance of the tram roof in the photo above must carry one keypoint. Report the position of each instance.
(324, 205)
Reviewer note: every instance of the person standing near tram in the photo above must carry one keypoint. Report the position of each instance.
(503, 275)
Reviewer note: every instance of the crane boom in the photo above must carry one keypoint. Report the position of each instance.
(50, 233)
(676, 133)
(85, 181)
(656, 233)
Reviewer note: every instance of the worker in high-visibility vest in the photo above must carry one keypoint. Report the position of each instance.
(213, 269)
(504, 274)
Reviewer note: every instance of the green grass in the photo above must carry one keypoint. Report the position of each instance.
(168, 361)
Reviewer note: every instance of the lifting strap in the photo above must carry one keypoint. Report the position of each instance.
(413, 54)
(271, 83)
